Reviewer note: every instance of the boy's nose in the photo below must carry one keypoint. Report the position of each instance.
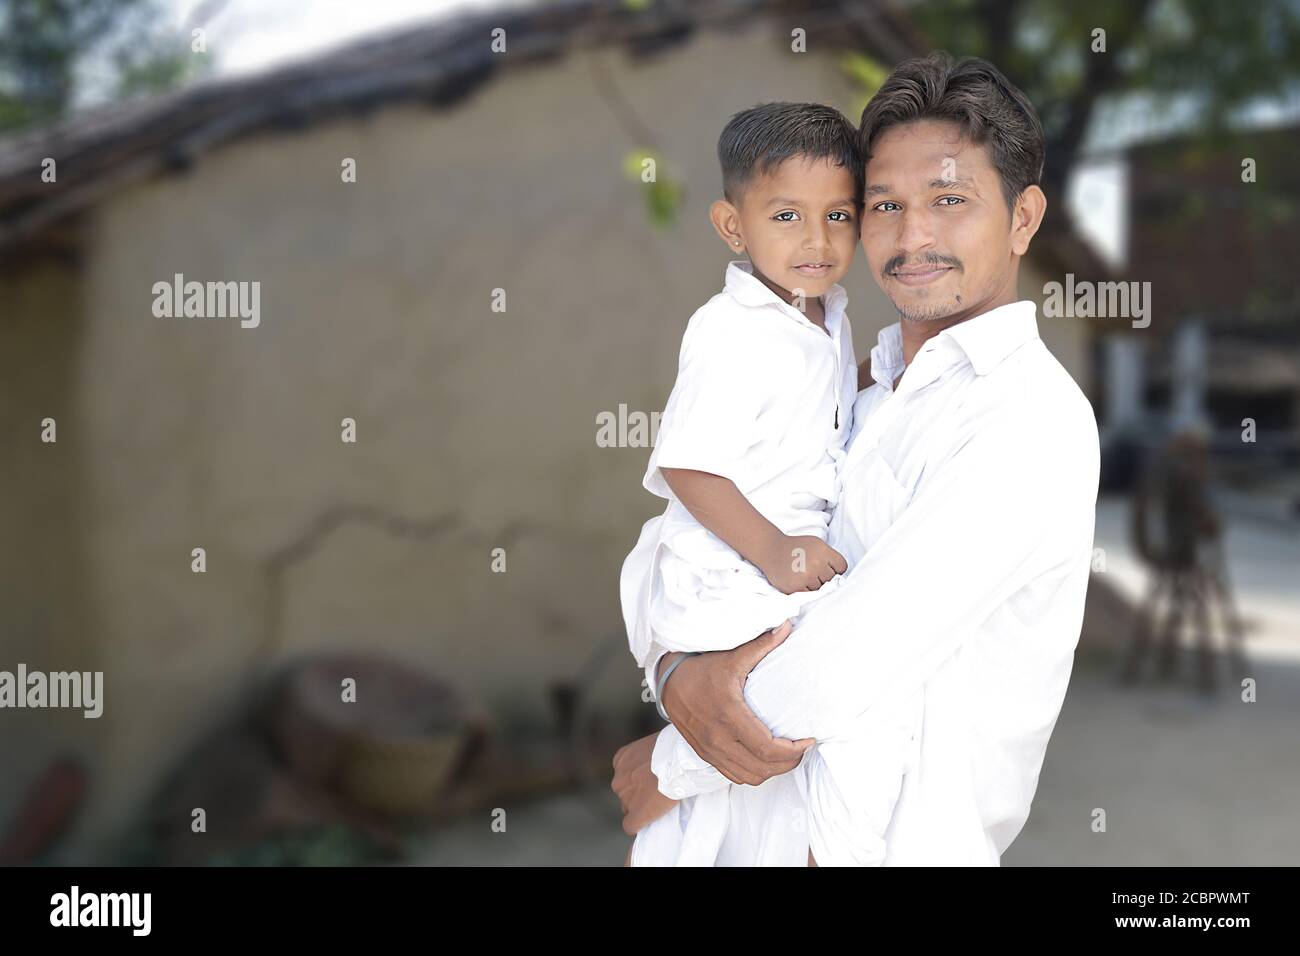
(816, 237)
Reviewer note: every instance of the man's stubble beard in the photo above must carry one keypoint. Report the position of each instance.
(932, 314)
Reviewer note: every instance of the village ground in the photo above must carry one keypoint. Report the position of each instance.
(1184, 780)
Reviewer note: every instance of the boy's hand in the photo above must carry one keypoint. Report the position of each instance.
(801, 563)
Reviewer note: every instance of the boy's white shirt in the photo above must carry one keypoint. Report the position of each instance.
(763, 397)
(966, 517)
(754, 401)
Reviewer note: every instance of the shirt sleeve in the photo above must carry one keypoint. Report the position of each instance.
(711, 420)
(682, 772)
(1013, 502)
(656, 653)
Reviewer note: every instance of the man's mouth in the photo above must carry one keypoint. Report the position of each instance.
(920, 275)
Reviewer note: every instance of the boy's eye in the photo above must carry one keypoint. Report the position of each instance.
(879, 207)
(790, 215)
(955, 200)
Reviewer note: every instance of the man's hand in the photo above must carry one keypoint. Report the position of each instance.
(705, 697)
(637, 787)
(800, 563)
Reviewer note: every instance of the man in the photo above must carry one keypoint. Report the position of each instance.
(969, 492)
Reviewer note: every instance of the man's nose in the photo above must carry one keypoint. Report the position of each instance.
(914, 231)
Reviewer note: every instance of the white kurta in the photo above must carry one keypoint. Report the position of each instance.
(967, 521)
(763, 397)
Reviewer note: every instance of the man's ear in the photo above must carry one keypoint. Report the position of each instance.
(726, 222)
(1026, 218)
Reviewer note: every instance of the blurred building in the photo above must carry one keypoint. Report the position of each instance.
(1212, 228)
(476, 429)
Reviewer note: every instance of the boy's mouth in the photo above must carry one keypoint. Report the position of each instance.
(813, 269)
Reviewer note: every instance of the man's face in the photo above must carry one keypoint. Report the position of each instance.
(800, 225)
(936, 229)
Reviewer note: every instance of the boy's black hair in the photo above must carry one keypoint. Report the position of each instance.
(989, 109)
(757, 140)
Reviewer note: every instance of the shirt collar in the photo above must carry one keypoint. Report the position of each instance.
(749, 290)
(985, 340)
(887, 356)
(989, 338)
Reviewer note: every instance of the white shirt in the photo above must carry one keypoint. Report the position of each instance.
(763, 397)
(967, 512)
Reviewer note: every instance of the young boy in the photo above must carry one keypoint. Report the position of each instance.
(747, 455)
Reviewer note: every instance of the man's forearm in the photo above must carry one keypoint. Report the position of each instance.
(664, 661)
(680, 771)
(654, 670)
(981, 529)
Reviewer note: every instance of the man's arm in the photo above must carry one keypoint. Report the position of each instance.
(1009, 505)
(994, 516)
(680, 772)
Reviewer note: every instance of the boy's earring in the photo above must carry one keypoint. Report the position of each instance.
(736, 241)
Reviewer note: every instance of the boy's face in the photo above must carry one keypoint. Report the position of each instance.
(935, 228)
(798, 224)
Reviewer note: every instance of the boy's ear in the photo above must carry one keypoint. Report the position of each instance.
(726, 222)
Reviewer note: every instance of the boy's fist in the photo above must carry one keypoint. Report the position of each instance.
(801, 563)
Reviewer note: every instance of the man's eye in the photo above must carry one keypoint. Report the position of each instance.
(955, 200)
(880, 206)
(788, 212)
(840, 212)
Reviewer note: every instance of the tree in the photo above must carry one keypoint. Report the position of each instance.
(1214, 56)
(48, 49)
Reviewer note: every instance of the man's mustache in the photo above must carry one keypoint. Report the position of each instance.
(930, 259)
